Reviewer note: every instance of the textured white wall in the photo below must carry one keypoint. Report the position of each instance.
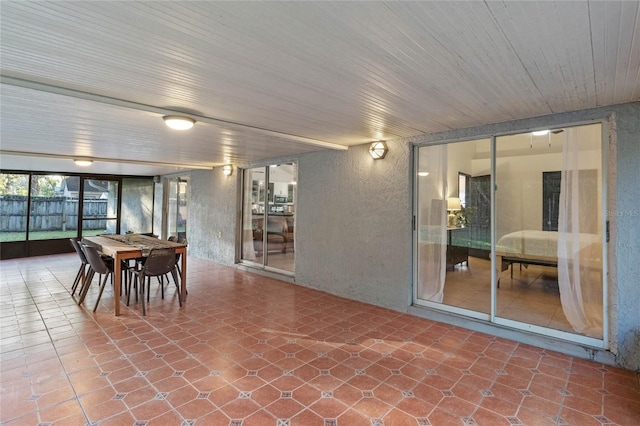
(625, 219)
(211, 228)
(354, 224)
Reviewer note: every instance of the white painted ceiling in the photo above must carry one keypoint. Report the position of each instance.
(270, 79)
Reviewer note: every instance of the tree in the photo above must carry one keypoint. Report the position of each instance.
(14, 184)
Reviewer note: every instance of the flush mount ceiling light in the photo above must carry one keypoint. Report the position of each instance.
(227, 169)
(179, 122)
(378, 150)
(540, 132)
(423, 174)
(83, 163)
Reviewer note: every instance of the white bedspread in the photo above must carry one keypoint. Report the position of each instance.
(539, 245)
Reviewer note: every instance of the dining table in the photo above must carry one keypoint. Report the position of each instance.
(133, 246)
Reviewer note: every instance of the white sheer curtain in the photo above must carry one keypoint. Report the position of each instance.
(579, 242)
(248, 252)
(432, 223)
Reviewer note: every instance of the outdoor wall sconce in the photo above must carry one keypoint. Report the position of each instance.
(378, 150)
(179, 122)
(227, 169)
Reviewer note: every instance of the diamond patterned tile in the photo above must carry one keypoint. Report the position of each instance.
(303, 357)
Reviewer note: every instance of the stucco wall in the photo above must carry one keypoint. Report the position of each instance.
(353, 232)
(353, 222)
(211, 229)
(626, 234)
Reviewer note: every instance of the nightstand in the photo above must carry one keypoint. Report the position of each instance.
(456, 254)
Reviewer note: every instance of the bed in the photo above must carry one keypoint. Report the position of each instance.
(531, 247)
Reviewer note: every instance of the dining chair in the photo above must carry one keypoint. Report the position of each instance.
(82, 272)
(175, 239)
(160, 262)
(100, 265)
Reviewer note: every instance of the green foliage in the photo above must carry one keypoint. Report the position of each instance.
(464, 215)
(14, 184)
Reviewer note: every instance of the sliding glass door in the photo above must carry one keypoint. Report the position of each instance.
(528, 254)
(549, 230)
(177, 212)
(453, 242)
(268, 216)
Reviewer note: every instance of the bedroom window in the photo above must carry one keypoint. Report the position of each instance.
(544, 270)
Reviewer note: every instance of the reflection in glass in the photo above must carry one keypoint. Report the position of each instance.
(268, 219)
(178, 207)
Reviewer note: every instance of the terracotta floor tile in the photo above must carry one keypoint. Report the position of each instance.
(285, 408)
(195, 408)
(138, 396)
(150, 409)
(13, 407)
(124, 418)
(240, 408)
(263, 351)
(61, 411)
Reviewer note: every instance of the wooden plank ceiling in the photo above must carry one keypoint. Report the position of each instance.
(271, 79)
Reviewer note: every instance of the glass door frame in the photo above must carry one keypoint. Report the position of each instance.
(168, 220)
(269, 190)
(492, 317)
(81, 219)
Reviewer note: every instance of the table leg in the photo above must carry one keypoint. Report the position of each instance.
(183, 276)
(117, 279)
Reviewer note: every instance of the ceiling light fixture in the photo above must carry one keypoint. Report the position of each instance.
(423, 174)
(83, 163)
(540, 132)
(227, 169)
(179, 122)
(378, 150)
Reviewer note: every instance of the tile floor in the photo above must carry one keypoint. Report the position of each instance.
(531, 296)
(248, 350)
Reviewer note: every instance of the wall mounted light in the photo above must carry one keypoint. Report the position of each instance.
(179, 122)
(227, 169)
(378, 150)
(83, 163)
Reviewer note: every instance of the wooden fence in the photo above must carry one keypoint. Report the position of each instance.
(49, 214)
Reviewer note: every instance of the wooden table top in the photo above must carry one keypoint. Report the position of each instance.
(111, 245)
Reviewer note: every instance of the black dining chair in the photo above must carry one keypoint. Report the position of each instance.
(84, 263)
(160, 262)
(100, 265)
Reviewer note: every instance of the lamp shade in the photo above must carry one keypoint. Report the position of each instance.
(179, 122)
(378, 150)
(453, 204)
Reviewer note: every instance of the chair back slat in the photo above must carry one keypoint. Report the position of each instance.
(78, 249)
(96, 262)
(160, 261)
